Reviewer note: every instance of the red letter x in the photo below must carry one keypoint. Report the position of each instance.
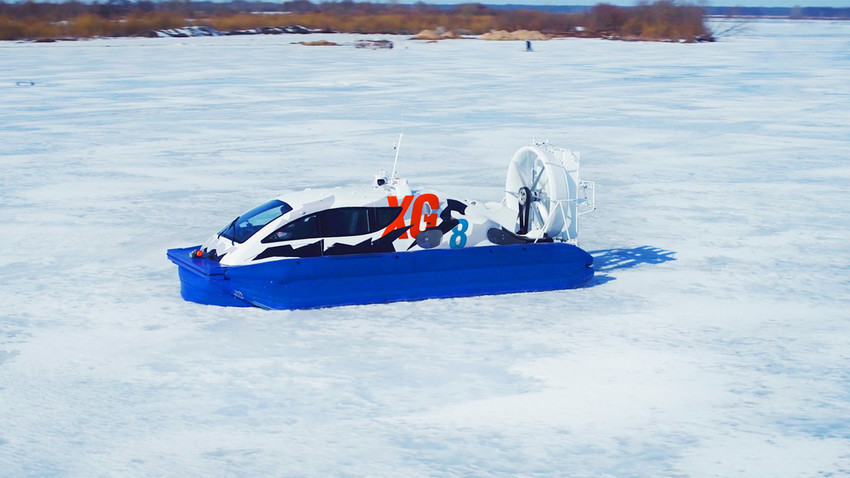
(398, 222)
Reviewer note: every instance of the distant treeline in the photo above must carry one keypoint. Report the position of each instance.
(661, 20)
(793, 12)
(779, 12)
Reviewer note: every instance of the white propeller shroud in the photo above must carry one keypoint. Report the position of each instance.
(552, 176)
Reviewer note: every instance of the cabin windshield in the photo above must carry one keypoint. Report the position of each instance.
(246, 225)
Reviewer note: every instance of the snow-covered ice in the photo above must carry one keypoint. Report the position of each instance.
(714, 341)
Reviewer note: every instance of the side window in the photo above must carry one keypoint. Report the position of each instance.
(344, 221)
(383, 217)
(303, 228)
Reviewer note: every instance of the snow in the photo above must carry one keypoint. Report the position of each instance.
(713, 341)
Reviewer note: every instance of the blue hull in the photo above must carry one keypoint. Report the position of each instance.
(385, 277)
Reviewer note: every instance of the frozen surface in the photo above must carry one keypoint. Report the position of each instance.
(715, 340)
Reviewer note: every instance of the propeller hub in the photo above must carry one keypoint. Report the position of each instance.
(523, 196)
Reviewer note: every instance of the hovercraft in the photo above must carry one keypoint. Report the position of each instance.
(386, 242)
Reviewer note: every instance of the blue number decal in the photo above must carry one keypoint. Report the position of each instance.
(458, 239)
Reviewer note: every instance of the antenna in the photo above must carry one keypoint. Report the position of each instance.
(397, 149)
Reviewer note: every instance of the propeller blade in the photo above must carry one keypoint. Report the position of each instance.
(535, 209)
(522, 179)
(537, 179)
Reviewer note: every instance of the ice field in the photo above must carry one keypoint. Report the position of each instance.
(714, 340)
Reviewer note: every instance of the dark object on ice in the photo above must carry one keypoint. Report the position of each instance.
(528, 45)
(25, 83)
(374, 44)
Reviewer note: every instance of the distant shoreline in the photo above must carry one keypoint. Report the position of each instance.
(766, 17)
(663, 20)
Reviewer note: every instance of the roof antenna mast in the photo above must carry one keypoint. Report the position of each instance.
(397, 148)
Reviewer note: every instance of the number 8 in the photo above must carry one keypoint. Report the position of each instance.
(458, 239)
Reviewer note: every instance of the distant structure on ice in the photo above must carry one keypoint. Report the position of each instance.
(374, 44)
